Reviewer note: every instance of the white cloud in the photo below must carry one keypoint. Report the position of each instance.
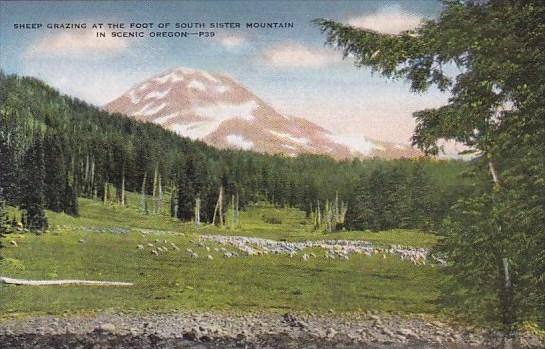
(83, 44)
(232, 41)
(390, 20)
(299, 56)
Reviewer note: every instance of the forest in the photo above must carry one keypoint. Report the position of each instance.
(55, 148)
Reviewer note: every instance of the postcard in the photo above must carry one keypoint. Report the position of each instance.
(272, 174)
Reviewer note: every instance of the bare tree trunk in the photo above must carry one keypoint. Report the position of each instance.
(506, 293)
(233, 212)
(105, 192)
(92, 179)
(197, 211)
(237, 211)
(160, 196)
(123, 186)
(86, 176)
(143, 193)
(318, 216)
(219, 208)
(154, 193)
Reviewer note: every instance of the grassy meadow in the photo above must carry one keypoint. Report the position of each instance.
(101, 244)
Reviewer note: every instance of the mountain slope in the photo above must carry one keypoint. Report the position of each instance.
(216, 109)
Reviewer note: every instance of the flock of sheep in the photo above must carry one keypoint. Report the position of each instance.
(235, 246)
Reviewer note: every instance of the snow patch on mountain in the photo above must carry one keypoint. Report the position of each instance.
(133, 97)
(354, 142)
(226, 111)
(157, 94)
(149, 109)
(287, 146)
(222, 88)
(294, 139)
(171, 77)
(165, 118)
(239, 142)
(197, 85)
(208, 76)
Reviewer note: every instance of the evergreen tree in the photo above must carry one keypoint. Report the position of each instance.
(70, 201)
(496, 238)
(33, 184)
(186, 191)
(55, 172)
(4, 219)
(420, 199)
(8, 183)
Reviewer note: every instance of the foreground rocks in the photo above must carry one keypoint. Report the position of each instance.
(258, 330)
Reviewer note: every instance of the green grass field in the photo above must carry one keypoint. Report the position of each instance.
(174, 281)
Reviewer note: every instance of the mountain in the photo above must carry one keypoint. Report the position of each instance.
(218, 110)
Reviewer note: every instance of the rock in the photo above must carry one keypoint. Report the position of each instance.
(407, 333)
(388, 332)
(106, 327)
(330, 332)
(193, 335)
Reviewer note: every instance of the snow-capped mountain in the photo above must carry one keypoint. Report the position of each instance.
(221, 112)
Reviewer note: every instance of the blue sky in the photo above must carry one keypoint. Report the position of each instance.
(289, 68)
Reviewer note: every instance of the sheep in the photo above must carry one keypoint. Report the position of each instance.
(210, 257)
(140, 247)
(14, 243)
(305, 257)
(155, 252)
(150, 245)
(194, 255)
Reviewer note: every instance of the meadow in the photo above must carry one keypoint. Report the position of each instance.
(102, 243)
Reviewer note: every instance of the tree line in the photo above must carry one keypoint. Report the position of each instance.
(55, 148)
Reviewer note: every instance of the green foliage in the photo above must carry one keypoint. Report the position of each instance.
(32, 201)
(497, 108)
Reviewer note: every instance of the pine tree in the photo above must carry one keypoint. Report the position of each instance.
(4, 219)
(33, 185)
(55, 172)
(8, 184)
(186, 191)
(70, 200)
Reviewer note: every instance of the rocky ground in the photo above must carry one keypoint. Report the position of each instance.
(258, 330)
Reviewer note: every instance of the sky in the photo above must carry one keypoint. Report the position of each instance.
(290, 68)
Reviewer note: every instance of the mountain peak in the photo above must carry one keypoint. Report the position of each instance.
(218, 110)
